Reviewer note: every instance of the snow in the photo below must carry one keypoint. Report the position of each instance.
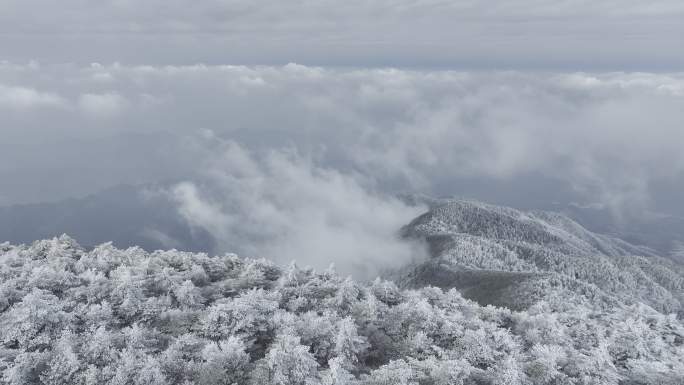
(111, 316)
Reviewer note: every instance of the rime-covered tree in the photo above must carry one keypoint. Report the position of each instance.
(110, 316)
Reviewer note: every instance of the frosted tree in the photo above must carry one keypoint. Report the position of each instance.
(150, 373)
(287, 363)
(188, 296)
(128, 293)
(182, 360)
(439, 371)
(99, 347)
(132, 317)
(348, 344)
(337, 374)
(35, 321)
(316, 331)
(224, 363)
(507, 371)
(127, 367)
(64, 365)
(25, 369)
(397, 372)
(545, 364)
(346, 296)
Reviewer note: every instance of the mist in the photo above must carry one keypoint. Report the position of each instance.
(303, 163)
(613, 138)
(280, 206)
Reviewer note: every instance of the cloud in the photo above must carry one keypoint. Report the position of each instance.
(21, 98)
(293, 160)
(495, 34)
(606, 138)
(279, 206)
(102, 105)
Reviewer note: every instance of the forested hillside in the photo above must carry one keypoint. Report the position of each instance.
(509, 257)
(110, 316)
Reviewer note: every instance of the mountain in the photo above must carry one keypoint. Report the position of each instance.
(507, 257)
(493, 254)
(124, 215)
(662, 232)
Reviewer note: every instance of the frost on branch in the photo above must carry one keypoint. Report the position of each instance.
(110, 316)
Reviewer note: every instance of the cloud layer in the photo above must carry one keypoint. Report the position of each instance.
(289, 160)
(575, 34)
(608, 135)
(296, 161)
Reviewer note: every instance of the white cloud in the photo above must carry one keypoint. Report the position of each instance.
(26, 97)
(279, 206)
(611, 136)
(102, 105)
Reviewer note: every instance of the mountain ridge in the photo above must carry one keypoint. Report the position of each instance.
(488, 240)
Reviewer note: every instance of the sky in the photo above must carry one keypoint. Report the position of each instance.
(287, 127)
(467, 34)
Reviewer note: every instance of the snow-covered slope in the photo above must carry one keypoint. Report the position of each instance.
(527, 249)
(111, 316)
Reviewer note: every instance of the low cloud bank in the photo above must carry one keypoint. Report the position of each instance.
(609, 136)
(295, 161)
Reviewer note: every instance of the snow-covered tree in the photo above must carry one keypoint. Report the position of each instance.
(224, 363)
(348, 344)
(109, 316)
(337, 374)
(287, 363)
(64, 365)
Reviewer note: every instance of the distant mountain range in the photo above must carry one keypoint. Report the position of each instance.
(130, 215)
(124, 215)
(663, 233)
(492, 254)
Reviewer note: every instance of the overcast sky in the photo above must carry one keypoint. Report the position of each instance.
(287, 122)
(466, 34)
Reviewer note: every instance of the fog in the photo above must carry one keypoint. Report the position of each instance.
(281, 206)
(271, 158)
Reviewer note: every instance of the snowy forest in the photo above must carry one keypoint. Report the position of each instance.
(111, 316)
